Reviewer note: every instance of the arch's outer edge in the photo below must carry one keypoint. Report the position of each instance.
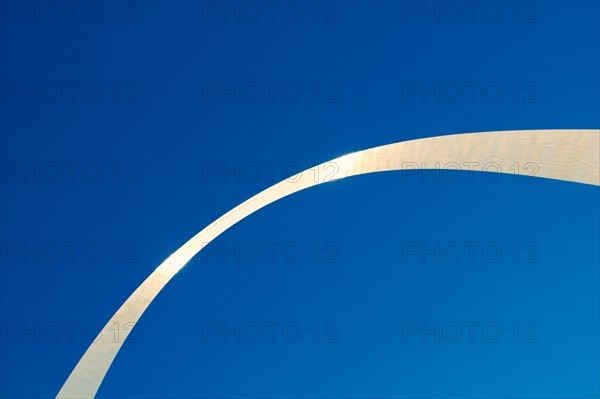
(571, 155)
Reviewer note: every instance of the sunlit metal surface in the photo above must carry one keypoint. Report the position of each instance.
(571, 155)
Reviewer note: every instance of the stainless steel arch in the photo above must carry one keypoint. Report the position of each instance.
(571, 155)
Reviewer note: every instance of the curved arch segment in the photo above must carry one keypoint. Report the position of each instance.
(571, 155)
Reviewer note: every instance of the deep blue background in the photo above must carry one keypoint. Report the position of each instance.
(169, 132)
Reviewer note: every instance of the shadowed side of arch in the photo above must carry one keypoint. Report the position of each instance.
(570, 155)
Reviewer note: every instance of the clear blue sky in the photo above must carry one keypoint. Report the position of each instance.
(154, 95)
